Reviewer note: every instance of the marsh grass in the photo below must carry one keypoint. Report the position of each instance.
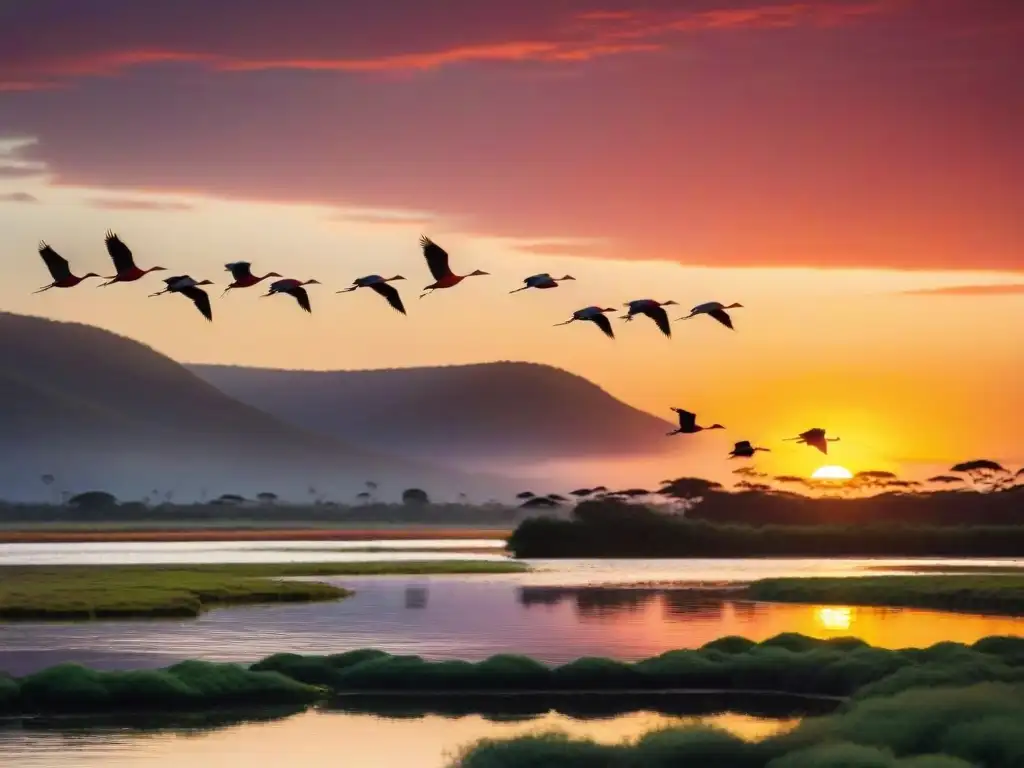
(37, 593)
(938, 728)
(997, 594)
(785, 664)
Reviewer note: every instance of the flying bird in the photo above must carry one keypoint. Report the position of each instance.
(744, 450)
(688, 423)
(653, 309)
(816, 438)
(596, 316)
(543, 280)
(293, 288)
(189, 287)
(60, 270)
(437, 261)
(716, 310)
(242, 276)
(380, 286)
(124, 262)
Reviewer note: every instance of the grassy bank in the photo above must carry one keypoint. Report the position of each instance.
(966, 727)
(997, 594)
(108, 592)
(786, 664)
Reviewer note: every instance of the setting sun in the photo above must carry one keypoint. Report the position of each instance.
(832, 472)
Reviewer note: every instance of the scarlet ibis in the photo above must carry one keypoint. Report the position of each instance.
(189, 287)
(543, 280)
(293, 288)
(688, 423)
(653, 309)
(744, 450)
(815, 438)
(437, 261)
(242, 276)
(594, 315)
(380, 286)
(60, 271)
(124, 262)
(716, 310)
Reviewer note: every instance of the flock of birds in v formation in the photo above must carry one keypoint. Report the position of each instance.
(437, 261)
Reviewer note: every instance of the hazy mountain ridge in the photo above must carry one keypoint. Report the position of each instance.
(513, 410)
(100, 410)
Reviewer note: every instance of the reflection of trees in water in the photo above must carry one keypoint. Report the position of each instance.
(591, 602)
(688, 605)
(416, 597)
(181, 724)
(745, 610)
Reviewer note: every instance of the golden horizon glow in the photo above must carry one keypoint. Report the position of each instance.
(835, 618)
(832, 472)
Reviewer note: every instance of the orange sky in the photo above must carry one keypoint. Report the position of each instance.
(815, 162)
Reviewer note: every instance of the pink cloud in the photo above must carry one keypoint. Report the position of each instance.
(132, 204)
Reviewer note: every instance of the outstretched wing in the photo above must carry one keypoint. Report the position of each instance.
(660, 318)
(301, 296)
(687, 420)
(57, 264)
(604, 324)
(239, 269)
(200, 299)
(390, 293)
(437, 258)
(120, 253)
(722, 316)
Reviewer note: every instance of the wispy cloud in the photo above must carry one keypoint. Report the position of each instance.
(132, 204)
(373, 216)
(585, 35)
(565, 248)
(18, 197)
(1004, 289)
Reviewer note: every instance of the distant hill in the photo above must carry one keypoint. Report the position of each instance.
(512, 410)
(100, 411)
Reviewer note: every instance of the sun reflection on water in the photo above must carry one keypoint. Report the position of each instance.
(835, 618)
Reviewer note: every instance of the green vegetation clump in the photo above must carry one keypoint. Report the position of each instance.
(939, 728)
(788, 663)
(973, 593)
(105, 592)
(191, 685)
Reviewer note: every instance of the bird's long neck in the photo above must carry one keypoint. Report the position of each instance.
(261, 279)
(151, 269)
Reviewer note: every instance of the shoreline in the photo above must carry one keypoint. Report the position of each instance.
(128, 535)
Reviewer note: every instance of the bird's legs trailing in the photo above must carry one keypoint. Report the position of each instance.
(427, 291)
(346, 290)
(692, 314)
(160, 293)
(226, 291)
(570, 320)
(46, 288)
(110, 281)
(517, 290)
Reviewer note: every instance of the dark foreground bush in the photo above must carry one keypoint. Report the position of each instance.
(787, 663)
(941, 728)
(191, 685)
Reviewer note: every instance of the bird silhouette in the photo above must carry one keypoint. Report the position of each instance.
(744, 450)
(293, 288)
(59, 269)
(594, 315)
(816, 438)
(543, 280)
(688, 423)
(437, 261)
(716, 310)
(124, 262)
(380, 286)
(189, 287)
(653, 309)
(242, 276)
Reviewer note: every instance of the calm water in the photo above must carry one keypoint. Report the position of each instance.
(327, 740)
(560, 611)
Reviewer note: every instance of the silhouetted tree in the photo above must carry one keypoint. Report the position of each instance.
(989, 475)
(363, 497)
(415, 497)
(689, 488)
(266, 497)
(92, 501)
(229, 498)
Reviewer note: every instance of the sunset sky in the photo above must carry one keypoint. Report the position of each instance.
(849, 170)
